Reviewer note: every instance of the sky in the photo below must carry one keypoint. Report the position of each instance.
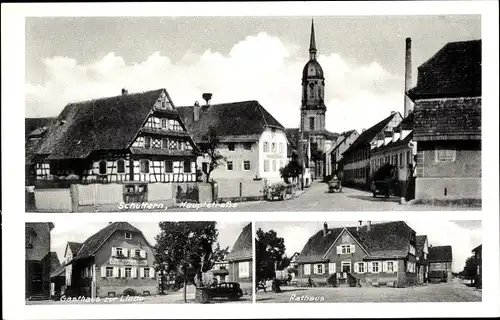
(236, 59)
(463, 236)
(79, 232)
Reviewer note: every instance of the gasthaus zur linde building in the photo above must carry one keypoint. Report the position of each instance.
(115, 261)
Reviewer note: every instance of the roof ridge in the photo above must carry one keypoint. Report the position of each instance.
(259, 107)
(110, 97)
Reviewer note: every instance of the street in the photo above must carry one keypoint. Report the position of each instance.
(316, 198)
(173, 297)
(455, 291)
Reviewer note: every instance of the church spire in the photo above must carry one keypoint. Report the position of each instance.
(312, 44)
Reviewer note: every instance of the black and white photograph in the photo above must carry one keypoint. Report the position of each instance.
(138, 262)
(368, 261)
(298, 113)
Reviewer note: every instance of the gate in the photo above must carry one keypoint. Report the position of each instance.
(135, 193)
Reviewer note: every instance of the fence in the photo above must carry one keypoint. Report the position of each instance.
(240, 189)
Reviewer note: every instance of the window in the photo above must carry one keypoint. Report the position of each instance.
(390, 266)
(164, 123)
(144, 166)
(307, 269)
(274, 165)
(361, 267)
(346, 249)
(401, 159)
(128, 235)
(412, 250)
(128, 272)
(29, 241)
(318, 269)
(137, 252)
(119, 252)
(246, 165)
(408, 157)
(332, 268)
(229, 166)
(230, 146)
(266, 165)
(244, 269)
(282, 148)
(375, 267)
(109, 272)
(281, 164)
(187, 166)
(266, 146)
(204, 166)
(273, 147)
(311, 123)
(445, 155)
(346, 266)
(169, 166)
(247, 146)
(120, 166)
(146, 272)
(147, 142)
(102, 167)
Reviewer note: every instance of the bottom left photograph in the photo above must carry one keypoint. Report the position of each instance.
(139, 262)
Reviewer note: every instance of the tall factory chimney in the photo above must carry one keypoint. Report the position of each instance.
(408, 104)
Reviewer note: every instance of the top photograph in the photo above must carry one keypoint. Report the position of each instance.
(256, 114)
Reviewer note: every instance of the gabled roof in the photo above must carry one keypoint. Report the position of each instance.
(94, 242)
(54, 261)
(420, 245)
(478, 248)
(241, 121)
(32, 124)
(242, 249)
(384, 240)
(101, 124)
(344, 136)
(367, 136)
(440, 254)
(454, 71)
(74, 247)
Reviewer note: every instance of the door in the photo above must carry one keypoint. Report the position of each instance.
(134, 193)
(36, 277)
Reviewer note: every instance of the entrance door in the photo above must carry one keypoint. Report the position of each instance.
(36, 275)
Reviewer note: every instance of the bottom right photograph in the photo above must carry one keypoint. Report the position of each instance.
(368, 261)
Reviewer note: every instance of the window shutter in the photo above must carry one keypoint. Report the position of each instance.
(352, 248)
(395, 264)
(151, 273)
(115, 272)
(364, 267)
(339, 250)
(123, 272)
(134, 272)
(103, 271)
(370, 267)
(315, 269)
(143, 253)
(141, 272)
(113, 251)
(356, 268)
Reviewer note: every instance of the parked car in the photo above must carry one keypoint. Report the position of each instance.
(230, 290)
(383, 180)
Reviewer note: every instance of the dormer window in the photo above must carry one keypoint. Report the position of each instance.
(128, 235)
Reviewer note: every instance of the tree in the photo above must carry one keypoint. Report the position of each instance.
(187, 248)
(292, 170)
(209, 148)
(469, 271)
(270, 254)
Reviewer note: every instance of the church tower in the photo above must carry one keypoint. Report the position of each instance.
(313, 109)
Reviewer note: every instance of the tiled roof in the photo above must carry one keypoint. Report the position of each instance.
(54, 261)
(454, 71)
(102, 124)
(395, 144)
(384, 240)
(242, 249)
(94, 242)
(238, 119)
(448, 119)
(74, 247)
(440, 254)
(367, 136)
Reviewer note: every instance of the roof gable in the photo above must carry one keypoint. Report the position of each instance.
(101, 124)
(345, 230)
(95, 242)
(440, 254)
(242, 248)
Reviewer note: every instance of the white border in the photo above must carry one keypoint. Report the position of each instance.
(13, 70)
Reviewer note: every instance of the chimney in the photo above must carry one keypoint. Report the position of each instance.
(363, 130)
(207, 97)
(124, 91)
(393, 112)
(325, 229)
(196, 111)
(407, 103)
(368, 225)
(359, 225)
